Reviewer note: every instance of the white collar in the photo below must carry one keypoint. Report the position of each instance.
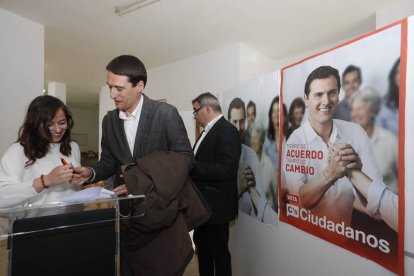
(124, 115)
(311, 133)
(211, 123)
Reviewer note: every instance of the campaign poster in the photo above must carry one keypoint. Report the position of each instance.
(342, 159)
(253, 108)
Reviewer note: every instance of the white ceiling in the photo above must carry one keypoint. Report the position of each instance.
(82, 36)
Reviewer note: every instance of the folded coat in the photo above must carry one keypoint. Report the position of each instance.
(158, 243)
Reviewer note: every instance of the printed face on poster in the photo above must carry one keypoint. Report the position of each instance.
(340, 161)
(253, 109)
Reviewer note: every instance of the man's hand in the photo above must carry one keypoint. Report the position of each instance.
(349, 155)
(245, 179)
(337, 164)
(121, 190)
(81, 175)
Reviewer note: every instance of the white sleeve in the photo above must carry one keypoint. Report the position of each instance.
(13, 190)
(383, 203)
(76, 155)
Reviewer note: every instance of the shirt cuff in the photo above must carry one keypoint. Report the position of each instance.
(93, 176)
(375, 193)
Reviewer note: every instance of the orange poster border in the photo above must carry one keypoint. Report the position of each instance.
(401, 157)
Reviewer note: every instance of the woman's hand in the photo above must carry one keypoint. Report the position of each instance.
(59, 175)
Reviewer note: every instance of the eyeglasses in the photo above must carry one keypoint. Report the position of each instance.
(197, 110)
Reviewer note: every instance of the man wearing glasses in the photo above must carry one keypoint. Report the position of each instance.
(320, 154)
(217, 154)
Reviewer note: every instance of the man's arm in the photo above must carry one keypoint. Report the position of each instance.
(381, 202)
(342, 158)
(104, 168)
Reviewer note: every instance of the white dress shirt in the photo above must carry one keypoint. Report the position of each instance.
(131, 124)
(337, 203)
(205, 131)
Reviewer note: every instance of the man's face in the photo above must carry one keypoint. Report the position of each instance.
(251, 116)
(125, 96)
(237, 119)
(322, 100)
(351, 83)
(361, 113)
(200, 114)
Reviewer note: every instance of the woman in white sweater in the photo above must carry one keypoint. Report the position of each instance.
(31, 170)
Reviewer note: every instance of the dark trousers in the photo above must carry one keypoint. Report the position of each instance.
(212, 249)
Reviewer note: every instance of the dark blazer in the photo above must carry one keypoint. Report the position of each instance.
(215, 170)
(158, 243)
(160, 128)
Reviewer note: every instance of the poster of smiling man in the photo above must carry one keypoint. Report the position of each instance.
(342, 170)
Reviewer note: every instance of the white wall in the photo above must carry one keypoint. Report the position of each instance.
(182, 81)
(394, 12)
(21, 72)
(254, 64)
(86, 122)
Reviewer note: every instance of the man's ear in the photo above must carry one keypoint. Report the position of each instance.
(305, 99)
(140, 86)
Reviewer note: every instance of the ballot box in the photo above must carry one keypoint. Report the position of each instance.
(70, 238)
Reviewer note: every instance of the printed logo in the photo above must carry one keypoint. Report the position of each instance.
(292, 210)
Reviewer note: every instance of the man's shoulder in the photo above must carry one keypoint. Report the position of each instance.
(112, 113)
(346, 125)
(159, 106)
(223, 123)
(351, 130)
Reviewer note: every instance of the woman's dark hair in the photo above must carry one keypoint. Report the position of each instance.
(271, 127)
(393, 96)
(40, 113)
(296, 103)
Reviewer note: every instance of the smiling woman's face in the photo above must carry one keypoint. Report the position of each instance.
(57, 127)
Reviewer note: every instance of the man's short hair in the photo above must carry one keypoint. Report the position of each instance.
(236, 103)
(322, 72)
(130, 66)
(352, 68)
(209, 98)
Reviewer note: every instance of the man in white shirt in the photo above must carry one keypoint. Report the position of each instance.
(314, 169)
(137, 127)
(217, 155)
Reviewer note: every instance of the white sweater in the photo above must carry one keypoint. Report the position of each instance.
(16, 180)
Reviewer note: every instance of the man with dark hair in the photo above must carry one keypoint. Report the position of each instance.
(320, 154)
(251, 117)
(236, 108)
(351, 82)
(217, 153)
(137, 127)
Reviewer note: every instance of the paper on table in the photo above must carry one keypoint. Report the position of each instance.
(89, 194)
